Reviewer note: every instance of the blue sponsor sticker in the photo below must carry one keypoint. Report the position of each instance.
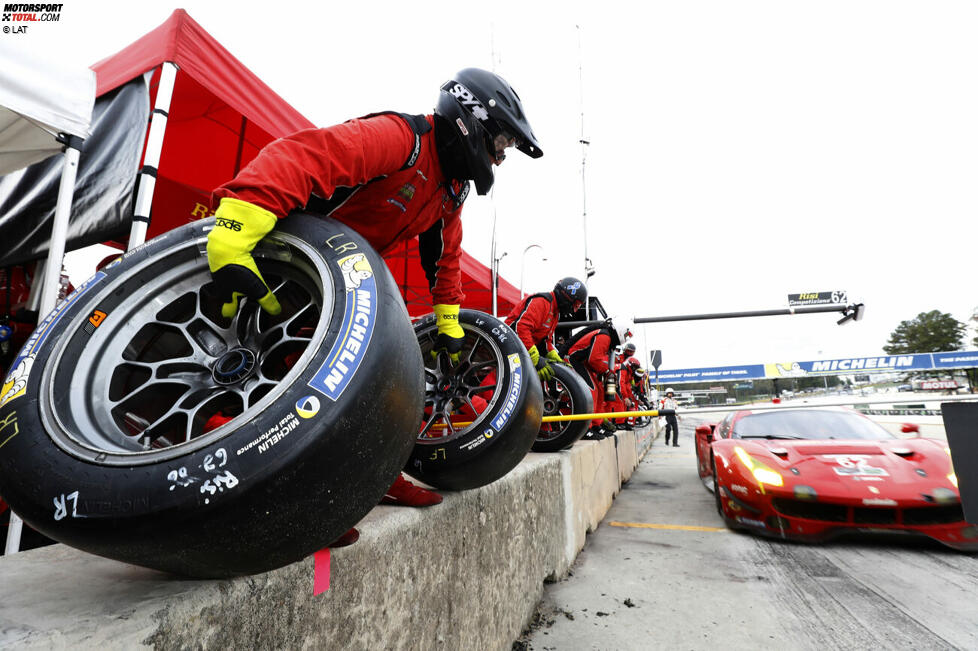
(15, 385)
(512, 395)
(357, 327)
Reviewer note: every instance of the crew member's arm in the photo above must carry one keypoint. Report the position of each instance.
(287, 171)
(440, 249)
(528, 323)
(282, 177)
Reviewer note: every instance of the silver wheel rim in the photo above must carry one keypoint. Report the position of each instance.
(454, 392)
(557, 401)
(149, 381)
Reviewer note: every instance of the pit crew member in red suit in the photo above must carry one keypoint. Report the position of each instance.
(590, 356)
(536, 317)
(390, 176)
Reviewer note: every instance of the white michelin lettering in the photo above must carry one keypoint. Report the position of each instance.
(278, 432)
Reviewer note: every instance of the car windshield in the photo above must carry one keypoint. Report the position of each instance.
(813, 424)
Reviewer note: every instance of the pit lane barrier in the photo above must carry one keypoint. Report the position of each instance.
(465, 574)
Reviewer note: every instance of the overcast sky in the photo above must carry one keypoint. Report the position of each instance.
(740, 151)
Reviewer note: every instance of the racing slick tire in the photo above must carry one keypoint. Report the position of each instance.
(565, 394)
(494, 387)
(140, 424)
(718, 498)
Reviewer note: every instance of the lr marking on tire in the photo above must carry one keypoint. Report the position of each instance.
(434, 455)
(61, 506)
(341, 248)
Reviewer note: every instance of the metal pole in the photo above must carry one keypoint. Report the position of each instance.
(59, 230)
(851, 311)
(584, 143)
(523, 265)
(736, 315)
(151, 156)
(52, 275)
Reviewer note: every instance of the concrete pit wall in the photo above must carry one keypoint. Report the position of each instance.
(466, 574)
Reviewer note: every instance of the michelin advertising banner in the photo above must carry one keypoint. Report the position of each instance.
(877, 364)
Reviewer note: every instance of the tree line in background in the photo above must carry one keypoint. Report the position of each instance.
(933, 332)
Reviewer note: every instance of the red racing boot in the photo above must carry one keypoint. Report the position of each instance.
(404, 493)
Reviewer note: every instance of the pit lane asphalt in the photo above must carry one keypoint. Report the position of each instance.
(675, 578)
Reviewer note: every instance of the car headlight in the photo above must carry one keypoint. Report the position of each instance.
(953, 479)
(768, 476)
(762, 474)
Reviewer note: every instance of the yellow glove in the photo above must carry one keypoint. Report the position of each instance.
(240, 226)
(534, 355)
(554, 356)
(450, 333)
(545, 371)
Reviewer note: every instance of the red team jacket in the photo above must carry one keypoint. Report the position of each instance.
(593, 347)
(379, 175)
(534, 319)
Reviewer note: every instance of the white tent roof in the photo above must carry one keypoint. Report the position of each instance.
(38, 100)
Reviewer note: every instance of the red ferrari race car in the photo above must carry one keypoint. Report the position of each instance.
(811, 474)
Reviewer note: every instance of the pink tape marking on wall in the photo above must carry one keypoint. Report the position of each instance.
(320, 579)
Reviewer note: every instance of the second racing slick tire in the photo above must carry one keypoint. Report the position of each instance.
(565, 394)
(494, 387)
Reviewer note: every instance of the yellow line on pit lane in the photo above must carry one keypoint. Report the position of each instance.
(672, 527)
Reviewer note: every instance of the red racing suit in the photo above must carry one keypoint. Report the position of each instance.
(380, 175)
(589, 357)
(534, 320)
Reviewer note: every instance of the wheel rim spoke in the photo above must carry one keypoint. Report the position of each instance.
(166, 361)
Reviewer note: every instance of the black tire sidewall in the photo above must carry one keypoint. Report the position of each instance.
(298, 482)
(505, 431)
(582, 402)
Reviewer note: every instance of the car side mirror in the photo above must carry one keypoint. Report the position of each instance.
(910, 428)
(706, 431)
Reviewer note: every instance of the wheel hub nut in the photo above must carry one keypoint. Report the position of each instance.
(234, 366)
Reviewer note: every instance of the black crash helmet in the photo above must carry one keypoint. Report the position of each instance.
(480, 105)
(571, 295)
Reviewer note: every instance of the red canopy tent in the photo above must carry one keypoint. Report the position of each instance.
(219, 117)
(405, 265)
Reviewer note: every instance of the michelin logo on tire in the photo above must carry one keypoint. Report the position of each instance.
(359, 317)
(307, 407)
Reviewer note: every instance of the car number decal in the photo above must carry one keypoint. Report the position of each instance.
(854, 465)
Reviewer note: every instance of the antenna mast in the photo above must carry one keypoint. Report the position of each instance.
(588, 267)
(493, 262)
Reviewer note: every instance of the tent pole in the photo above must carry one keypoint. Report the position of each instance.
(241, 142)
(151, 156)
(52, 273)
